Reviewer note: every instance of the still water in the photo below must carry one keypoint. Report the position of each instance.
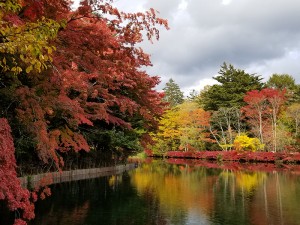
(159, 193)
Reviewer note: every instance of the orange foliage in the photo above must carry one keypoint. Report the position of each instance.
(186, 124)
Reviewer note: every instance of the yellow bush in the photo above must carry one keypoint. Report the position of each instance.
(244, 143)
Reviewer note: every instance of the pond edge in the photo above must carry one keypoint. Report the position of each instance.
(74, 175)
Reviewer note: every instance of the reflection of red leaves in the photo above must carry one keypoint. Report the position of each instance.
(234, 165)
(45, 192)
(42, 196)
(34, 196)
(19, 222)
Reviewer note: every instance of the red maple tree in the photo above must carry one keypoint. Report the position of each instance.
(262, 111)
(87, 68)
(96, 75)
(17, 198)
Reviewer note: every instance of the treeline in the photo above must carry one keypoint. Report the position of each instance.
(240, 112)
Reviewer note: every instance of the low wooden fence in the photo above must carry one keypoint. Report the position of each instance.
(73, 175)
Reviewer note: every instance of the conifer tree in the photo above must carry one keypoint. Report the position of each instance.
(233, 85)
(173, 94)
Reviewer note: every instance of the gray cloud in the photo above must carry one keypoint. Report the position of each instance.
(258, 36)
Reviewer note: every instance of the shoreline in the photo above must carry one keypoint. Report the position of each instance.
(72, 175)
(246, 156)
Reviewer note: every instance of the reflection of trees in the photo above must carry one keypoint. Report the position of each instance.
(279, 197)
(150, 183)
(249, 181)
(101, 201)
(257, 198)
(234, 192)
(227, 196)
(67, 204)
(161, 193)
(179, 188)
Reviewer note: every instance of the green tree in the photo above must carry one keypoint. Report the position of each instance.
(281, 81)
(233, 84)
(193, 96)
(287, 82)
(293, 113)
(173, 94)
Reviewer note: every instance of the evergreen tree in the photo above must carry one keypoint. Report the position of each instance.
(193, 96)
(173, 94)
(281, 81)
(287, 82)
(233, 84)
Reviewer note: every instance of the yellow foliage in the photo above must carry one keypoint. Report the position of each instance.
(248, 181)
(183, 126)
(244, 143)
(25, 46)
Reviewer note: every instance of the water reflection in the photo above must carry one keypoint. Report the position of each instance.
(198, 195)
(107, 200)
(163, 194)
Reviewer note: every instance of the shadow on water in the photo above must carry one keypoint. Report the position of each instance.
(106, 200)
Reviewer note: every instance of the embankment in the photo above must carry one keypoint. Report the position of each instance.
(72, 175)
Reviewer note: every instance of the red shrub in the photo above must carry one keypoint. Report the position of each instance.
(148, 152)
(180, 154)
(237, 156)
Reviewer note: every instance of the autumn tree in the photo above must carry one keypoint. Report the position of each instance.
(167, 138)
(173, 94)
(193, 124)
(25, 49)
(225, 125)
(95, 76)
(25, 41)
(262, 110)
(256, 109)
(226, 99)
(65, 73)
(11, 191)
(183, 127)
(276, 99)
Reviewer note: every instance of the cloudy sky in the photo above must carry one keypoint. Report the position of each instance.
(258, 36)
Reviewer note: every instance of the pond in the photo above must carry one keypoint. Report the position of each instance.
(163, 193)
